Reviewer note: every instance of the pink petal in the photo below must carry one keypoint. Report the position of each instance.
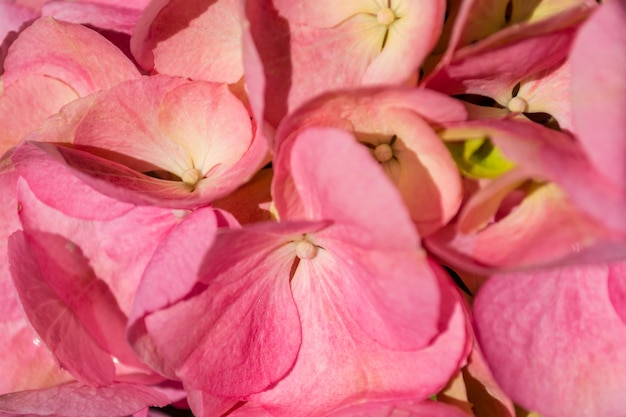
(25, 97)
(555, 156)
(34, 367)
(335, 348)
(55, 184)
(179, 127)
(117, 257)
(191, 39)
(83, 62)
(26, 362)
(398, 409)
(617, 288)
(101, 15)
(337, 179)
(76, 399)
(12, 16)
(205, 404)
(482, 21)
(375, 116)
(547, 228)
(599, 90)
(169, 276)
(549, 92)
(46, 270)
(554, 342)
(70, 53)
(287, 50)
(196, 131)
(243, 292)
(494, 73)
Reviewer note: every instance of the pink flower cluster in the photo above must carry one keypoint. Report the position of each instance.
(291, 208)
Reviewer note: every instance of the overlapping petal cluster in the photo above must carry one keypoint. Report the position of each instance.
(276, 208)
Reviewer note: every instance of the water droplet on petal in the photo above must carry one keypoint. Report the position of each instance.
(37, 341)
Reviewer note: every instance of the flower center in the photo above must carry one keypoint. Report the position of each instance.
(306, 249)
(191, 176)
(383, 152)
(517, 105)
(385, 16)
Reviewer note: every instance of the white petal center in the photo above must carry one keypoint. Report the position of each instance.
(306, 249)
(517, 105)
(385, 16)
(383, 152)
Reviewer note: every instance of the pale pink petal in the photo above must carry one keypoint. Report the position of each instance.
(546, 226)
(131, 4)
(76, 399)
(555, 335)
(421, 166)
(32, 4)
(599, 90)
(25, 361)
(55, 184)
(197, 131)
(337, 179)
(12, 16)
(195, 137)
(169, 276)
(242, 294)
(101, 15)
(425, 175)
(485, 20)
(70, 53)
(335, 348)
(478, 26)
(373, 408)
(494, 73)
(193, 39)
(323, 13)
(255, 71)
(356, 51)
(117, 256)
(483, 206)
(141, 32)
(556, 156)
(41, 266)
(209, 122)
(340, 307)
(24, 96)
(549, 92)
(59, 61)
(408, 42)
